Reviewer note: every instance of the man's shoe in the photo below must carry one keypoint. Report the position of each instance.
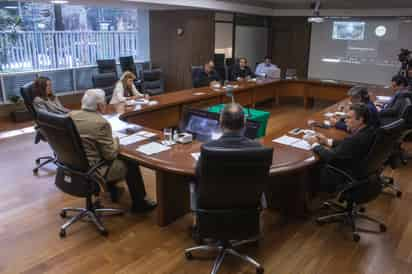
(144, 206)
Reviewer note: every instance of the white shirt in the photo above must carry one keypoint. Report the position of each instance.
(118, 93)
(262, 69)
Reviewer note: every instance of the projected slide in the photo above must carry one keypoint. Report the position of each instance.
(348, 31)
(359, 50)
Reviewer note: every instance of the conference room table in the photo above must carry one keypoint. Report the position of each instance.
(293, 174)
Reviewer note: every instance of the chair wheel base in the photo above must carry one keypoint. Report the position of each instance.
(62, 233)
(356, 237)
(382, 228)
(319, 222)
(260, 270)
(399, 194)
(35, 171)
(37, 161)
(188, 255)
(104, 233)
(63, 214)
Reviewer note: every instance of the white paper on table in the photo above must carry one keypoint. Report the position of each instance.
(142, 101)
(329, 114)
(152, 148)
(118, 134)
(152, 103)
(286, 140)
(116, 123)
(196, 155)
(340, 113)
(131, 139)
(383, 99)
(146, 134)
(131, 102)
(302, 144)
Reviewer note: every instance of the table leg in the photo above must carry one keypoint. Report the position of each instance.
(173, 197)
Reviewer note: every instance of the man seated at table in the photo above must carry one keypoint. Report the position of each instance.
(393, 109)
(207, 76)
(241, 70)
(265, 68)
(347, 154)
(98, 143)
(232, 121)
(359, 94)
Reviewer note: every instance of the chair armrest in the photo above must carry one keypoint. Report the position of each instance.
(352, 183)
(94, 168)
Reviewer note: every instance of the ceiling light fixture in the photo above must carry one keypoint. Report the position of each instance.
(316, 18)
(59, 2)
(11, 7)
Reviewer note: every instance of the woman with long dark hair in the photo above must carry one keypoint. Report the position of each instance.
(44, 99)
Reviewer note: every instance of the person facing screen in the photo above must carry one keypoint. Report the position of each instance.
(125, 89)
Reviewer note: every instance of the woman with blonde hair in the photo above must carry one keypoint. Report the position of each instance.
(125, 89)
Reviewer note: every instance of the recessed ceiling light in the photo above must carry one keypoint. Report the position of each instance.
(59, 2)
(11, 7)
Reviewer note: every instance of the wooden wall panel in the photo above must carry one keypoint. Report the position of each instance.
(176, 54)
(290, 43)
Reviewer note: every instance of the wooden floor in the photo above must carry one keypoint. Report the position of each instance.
(29, 225)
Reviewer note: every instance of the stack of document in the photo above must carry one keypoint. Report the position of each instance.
(293, 142)
(152, 148)
(131, 139)
(196, 155)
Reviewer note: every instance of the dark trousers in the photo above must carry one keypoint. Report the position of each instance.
(135, 183)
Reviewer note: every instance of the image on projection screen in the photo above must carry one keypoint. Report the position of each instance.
(348, 30)
(363, 50)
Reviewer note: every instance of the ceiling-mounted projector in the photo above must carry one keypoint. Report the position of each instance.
(316, 18)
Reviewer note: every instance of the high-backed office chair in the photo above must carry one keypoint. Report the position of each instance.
(153, 82)
(127, 64)
(106, 66)
(291, 73)
(229, 194)
(27, 94)
(74, 174)
(195, 71)
(396, 158)
(358, 192)
(106, 82)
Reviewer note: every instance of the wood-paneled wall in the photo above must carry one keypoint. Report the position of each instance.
(176, 54)
(290, 43)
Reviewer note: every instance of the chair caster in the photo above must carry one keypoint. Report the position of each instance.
(260, 270)
(355, 237)
(319, 222)
(62, 233)
(63, 214)
(37, 161)
(104, 233)
(399, 194)
(362, 210)
(382, 228)
(97, 204)
(188, 255)
(35, 171)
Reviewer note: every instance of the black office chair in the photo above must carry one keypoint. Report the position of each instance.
(27, 94)
(74, 174)
(153, 82)
(397, 156)
(358, 192)
(105, 81)
(195, 71)
(229, 194)
(107, 66)
(127, 64)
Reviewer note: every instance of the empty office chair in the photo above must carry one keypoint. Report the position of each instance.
(127, 64)
(106, 66)
(105, 81)
(229, 194)
(74, 174)
(358, 192)
(27, 94)
(153, 82)
(195, 71)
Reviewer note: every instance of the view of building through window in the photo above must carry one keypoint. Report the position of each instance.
(36, 36)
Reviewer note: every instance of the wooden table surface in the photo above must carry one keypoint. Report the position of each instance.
(175, 167)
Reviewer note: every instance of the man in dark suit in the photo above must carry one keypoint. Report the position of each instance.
(232, 121)
(241, 70)
(348, 154)
(359, 94)
(206, 76)
(393, 109)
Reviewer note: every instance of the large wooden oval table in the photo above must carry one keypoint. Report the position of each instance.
(293, 172)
